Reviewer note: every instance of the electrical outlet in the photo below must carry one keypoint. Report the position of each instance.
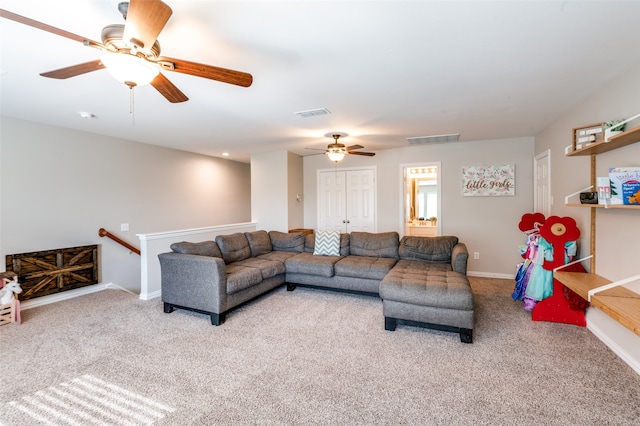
(124, 227)
(476, 255)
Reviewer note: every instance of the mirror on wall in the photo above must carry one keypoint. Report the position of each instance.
(421, 199)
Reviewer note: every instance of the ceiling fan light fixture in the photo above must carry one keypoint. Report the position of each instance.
(336, 154)
(130, 70)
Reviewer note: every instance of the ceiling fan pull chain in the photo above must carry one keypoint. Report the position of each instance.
(132, 106)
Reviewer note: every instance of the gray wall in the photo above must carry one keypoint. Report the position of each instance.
(59, 186)
(488, 225)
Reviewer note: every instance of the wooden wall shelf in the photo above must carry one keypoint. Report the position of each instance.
(623, 139)
(619, 302)
(603, 206)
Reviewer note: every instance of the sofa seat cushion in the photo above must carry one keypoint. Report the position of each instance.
(383, 244)
(279, 256)
(439, 289)
(374, 268)
(234, 247)
(240, 278)
(268, 268)
(307, 263)
(429, 249)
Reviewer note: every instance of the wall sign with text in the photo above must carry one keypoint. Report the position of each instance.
(489, 181)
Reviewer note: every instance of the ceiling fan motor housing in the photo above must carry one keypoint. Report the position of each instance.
(112, 38)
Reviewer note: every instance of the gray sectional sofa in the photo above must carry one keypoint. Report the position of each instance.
(421, 280)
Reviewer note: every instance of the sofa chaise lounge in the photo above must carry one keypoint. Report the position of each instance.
(421, 280)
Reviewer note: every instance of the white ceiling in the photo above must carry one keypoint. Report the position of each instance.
(385, 70)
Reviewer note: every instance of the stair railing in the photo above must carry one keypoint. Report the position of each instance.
(104, 233)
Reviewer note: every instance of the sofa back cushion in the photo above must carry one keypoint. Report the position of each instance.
(205, 248)
(310, 244)
(384, 244)
(282, 241)
(259, 242)
(429, 249)
(234, 247)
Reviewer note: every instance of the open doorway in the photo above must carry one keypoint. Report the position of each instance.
(421, 213)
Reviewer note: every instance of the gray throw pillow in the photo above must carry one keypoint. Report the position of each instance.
(234, 247)
(282, 241)
(205, 248)
(259, 242)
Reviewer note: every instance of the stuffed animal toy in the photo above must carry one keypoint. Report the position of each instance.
(10, 287)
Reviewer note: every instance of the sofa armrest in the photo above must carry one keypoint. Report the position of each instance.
(459, 257)
(192, 281)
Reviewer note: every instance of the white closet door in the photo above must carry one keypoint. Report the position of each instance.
(331, 201)
(361, 200)
(346, 200)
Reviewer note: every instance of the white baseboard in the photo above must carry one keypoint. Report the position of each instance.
(490, 275)
(150, 295)
(70, 294)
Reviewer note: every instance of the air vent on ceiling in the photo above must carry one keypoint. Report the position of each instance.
(313, 112)
(421, 140)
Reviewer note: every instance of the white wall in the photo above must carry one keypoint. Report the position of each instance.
(269, 206)
(295, 188)
(59, 186)
(488, 225)
(276, 178)
(617, 253)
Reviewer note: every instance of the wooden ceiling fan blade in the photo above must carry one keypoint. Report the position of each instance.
(208, 71)
(368, 154)
(145, 20)
(355, 147)
(168, 89)
(45, 27)
(74, 70)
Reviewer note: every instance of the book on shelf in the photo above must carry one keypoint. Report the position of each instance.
(625, 185)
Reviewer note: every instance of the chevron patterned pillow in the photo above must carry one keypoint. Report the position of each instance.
(327, 243)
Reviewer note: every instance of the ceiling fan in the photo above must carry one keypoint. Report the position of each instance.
(135, 44)
(336, 150)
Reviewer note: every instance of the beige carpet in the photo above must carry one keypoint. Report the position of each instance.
(305, 357)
